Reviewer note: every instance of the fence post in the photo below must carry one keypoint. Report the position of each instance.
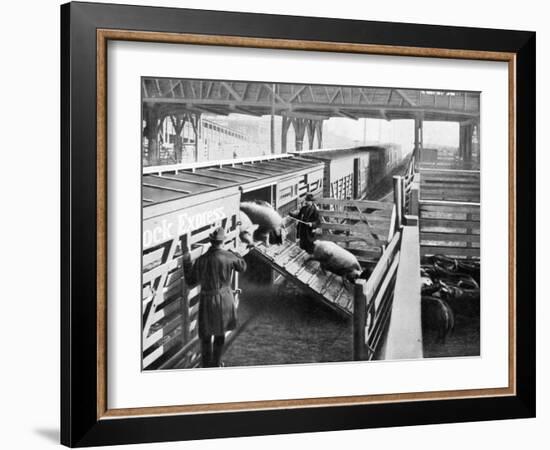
(398, 200)
(184, 301)
(359, 320)
(415, 196)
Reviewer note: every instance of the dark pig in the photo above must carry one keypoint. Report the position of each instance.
(438, 316)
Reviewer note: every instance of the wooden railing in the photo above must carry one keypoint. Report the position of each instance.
(373, 303)
(405, 194)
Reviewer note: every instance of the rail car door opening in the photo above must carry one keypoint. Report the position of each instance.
(264, 193)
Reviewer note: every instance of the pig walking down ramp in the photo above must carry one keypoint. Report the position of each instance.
(296, 265)
(269, 222)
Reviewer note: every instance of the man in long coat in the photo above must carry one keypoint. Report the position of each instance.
(217, 309)
(308, 217)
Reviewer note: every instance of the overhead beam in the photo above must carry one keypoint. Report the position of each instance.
(277, 96)
(297, 93)
(242, 110)
(345, 114)
(232, 91)
(300, 115)
(196, 109)
(338, 91)
(405, 97)
(172, 88)
(364, 96)
(313, 97)
(192, 87)
(144, 86)
(152, 88)
(320, 110)
(209, 89)
(313, 106)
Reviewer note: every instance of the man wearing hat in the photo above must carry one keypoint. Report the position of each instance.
(217, 309)
(308, 220)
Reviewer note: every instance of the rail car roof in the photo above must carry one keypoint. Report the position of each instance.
(338, 153)
(172, 185)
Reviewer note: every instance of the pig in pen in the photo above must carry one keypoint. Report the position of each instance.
(450, 306)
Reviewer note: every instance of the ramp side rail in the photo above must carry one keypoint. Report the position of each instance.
(373, 303)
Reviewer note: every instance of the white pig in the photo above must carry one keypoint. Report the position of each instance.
(245, 228)
(336, 259)
(267, 218)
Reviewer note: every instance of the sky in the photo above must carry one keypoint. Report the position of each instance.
(343, 132)
(399, 132)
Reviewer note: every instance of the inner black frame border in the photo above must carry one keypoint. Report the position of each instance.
(79, 423)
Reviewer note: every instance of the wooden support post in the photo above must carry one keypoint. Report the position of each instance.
(151, 133)
(403, 199)
(398, 200)
(359, 320)
(272, 129)
(284, 133)
(418, 139)
(310, 126)
(299, 131)
(178, 122)
(184, 305)
(414, 205)
(465, 142)
(319, 127)
(196, 122)
(477, 142)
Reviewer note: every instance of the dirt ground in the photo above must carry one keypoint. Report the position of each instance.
(291, 329)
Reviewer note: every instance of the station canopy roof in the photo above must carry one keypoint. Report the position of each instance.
(172, 96)
(168, 186)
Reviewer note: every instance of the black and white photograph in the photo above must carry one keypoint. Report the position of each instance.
(291, 223)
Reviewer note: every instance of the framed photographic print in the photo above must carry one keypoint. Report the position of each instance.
(276, 224)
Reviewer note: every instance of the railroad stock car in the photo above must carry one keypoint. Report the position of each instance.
(350, 173)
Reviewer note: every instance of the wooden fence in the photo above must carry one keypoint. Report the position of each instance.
(342, 188)
(449, 212)
(446, 159)
(362, 227)
(450, 185)
(449, 228)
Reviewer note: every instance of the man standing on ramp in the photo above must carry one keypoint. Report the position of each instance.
(308, 219)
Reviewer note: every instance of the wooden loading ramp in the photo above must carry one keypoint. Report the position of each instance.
(295, 265)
